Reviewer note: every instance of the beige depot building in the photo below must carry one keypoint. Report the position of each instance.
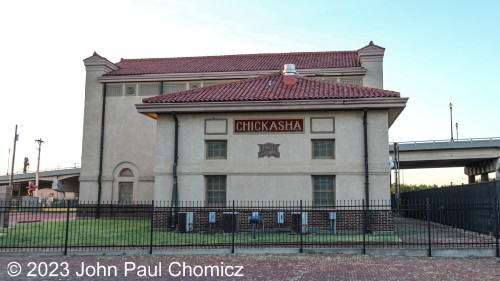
(288, 126)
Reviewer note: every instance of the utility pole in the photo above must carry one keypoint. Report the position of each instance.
(11, 180)
(39, 141)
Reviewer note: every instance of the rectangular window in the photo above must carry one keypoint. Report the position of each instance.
(354, 81)
(114, 90)
(149, 89)
(216, 190)
(125, 190)
(216, 149)
(174, 87)
(323, 190)
(194, 85)
(211, 83)
(323, 149)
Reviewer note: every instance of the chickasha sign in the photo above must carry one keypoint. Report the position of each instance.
(294, 125)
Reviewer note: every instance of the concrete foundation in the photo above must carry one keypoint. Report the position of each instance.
(30, 203)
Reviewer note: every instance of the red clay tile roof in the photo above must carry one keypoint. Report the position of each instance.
(271, 87)
(251, 62)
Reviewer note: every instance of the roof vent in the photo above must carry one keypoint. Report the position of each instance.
(289, 74)
(289, 69)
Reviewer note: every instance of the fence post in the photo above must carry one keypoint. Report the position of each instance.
(232, 228)
(364, 226)
(67, 230)
(300, 229)
(428, 207)
(497, 219)
(152, 227)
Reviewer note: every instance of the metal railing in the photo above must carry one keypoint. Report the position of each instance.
(145, 226)
(469, 140)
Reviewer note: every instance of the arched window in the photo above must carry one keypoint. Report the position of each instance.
(126, 173)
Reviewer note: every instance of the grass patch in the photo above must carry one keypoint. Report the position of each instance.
(136, 232)
(81, 232)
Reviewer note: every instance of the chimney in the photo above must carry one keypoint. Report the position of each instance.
(289, 74)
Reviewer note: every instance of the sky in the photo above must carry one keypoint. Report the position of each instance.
(437, 52)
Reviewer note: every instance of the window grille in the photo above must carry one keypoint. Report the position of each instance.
(353, 81)
(149, 89)
(125, 190)
(194, 85)
(323, 190)
(173, 87)
(216, 149)
(323, 148)
(114, 90)
(216, 190)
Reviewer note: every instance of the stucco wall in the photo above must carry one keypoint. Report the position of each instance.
(91, 133)
(284, 178)
(129, 142)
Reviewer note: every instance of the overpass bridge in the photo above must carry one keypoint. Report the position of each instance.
(65, 179)
(478, 156)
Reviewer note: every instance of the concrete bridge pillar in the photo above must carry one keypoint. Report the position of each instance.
(483, 168)
(55, 184)
(472, 179)
(484, 177)
(498, 170)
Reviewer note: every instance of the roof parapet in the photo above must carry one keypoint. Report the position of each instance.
(97, 62)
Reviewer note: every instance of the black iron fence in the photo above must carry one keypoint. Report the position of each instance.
(471, 207)
(476, 191)
(156, 226)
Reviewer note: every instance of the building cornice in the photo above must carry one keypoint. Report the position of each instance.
(352, 71)
(394, 105)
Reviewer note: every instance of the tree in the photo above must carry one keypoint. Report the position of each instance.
(411, 187)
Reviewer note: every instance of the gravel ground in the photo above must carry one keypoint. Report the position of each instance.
(253, 267)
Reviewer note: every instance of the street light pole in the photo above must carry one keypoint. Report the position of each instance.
(451, 120)
(456, 125)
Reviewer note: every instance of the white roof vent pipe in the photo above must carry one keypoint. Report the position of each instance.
(289, 69)
(289, 74)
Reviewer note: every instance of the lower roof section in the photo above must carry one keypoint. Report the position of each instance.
(394, 105)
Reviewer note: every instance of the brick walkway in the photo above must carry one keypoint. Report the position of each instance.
(262, 267)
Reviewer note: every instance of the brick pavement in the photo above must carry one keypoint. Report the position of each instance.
(258, 267)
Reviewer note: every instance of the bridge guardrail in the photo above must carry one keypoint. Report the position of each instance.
(470, 140)
(446, 144)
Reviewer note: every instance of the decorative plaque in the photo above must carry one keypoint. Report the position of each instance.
(269, 149)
